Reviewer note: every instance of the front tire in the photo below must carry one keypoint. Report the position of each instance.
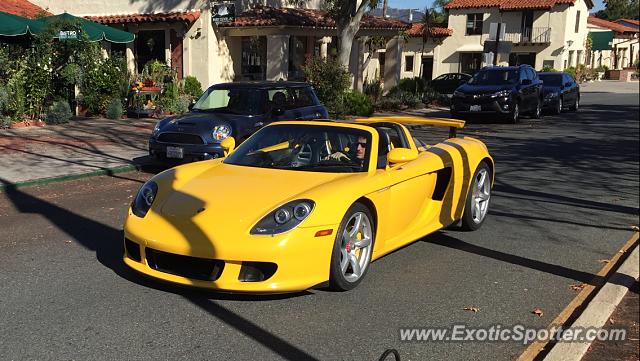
(352, 249)
(558, 108)
(478, 197)
(514, 116)
(537, 112)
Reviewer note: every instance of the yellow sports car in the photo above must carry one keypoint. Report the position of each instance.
(305, 204)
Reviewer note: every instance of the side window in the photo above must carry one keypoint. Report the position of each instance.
(302, 97)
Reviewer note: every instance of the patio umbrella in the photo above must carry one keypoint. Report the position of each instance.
(14, 25)
(94, 31)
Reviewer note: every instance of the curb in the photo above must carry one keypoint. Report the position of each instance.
(42, 181)
(599, 309)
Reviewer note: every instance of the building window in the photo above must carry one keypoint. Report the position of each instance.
(570, 57)
(578, 21)
(548, 64)
(470, 62)
(150, 46)
(408, 63)
(254, 58)
(474, 24)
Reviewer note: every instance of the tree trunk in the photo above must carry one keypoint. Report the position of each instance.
(385, 7)
(348, 26)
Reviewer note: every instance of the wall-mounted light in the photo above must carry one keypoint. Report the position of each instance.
(197, 34)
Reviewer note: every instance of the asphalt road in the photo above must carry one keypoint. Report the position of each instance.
(565, 196)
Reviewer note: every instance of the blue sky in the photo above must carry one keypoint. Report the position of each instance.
(420, 4)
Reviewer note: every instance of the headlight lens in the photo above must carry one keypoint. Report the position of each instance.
(221, 132)
(551, 95)
(156, 129)
(502, 94)
(144, 199)
(284, 218)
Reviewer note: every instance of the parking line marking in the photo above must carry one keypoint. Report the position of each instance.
(581, 300)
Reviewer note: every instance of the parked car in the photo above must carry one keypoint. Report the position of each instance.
(231, 110)
(305, 204)
(448, 83)
(560, 91)
(506, 92)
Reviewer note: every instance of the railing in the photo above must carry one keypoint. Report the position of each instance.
(541, 35)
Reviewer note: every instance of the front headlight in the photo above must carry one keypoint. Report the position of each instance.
(144, 199)
(284, 218)
(551, 95)
(501, 94)
(458, 94)
(156, 129)
(221, 132)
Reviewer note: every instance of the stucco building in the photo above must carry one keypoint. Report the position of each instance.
(623, 49)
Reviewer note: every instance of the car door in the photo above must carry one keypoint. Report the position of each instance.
(536, 85)
(570, 88)
(526, 88)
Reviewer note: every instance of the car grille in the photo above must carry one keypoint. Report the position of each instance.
(477, 98)
(180, 138)
(190, 267)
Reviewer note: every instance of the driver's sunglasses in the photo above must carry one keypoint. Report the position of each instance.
(360, 144)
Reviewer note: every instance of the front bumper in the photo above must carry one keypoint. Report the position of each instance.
(190, 151)
(550, 103)
(501, 106)
(300, 259)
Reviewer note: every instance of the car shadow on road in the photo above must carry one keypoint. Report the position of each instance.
(107, 242)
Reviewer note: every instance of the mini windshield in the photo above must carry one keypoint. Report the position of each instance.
(234, 101)
(495, 77)
(306, 148)
(551, 79)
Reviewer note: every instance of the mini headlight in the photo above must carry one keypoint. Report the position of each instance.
(221, 131)
(156, 129)
(501, 94)
(144, 199)
(284, 218)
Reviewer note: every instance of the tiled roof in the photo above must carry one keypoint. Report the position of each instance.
(269, 16)
(618, 28)
(510, 4)
(630, 21)
(436, 31)
(21, 8)
(146, 18)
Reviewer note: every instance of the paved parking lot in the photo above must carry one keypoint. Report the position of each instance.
(566, 194)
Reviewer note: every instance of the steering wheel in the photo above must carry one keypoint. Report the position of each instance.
(304, 156)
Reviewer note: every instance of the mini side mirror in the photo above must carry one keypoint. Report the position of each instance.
(401, 155)
(276, 112)
(229, 145)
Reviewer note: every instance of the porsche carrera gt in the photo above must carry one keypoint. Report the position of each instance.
(306, 203)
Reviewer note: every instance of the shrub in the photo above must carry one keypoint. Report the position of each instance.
(59, 112)
(548, 68)
(412, 85)
(602, 69)
(108, 80)
(330, 80)
(389, 103)
(192, 87)
(114, 109)
(408, 99)
(5, 122)
(430, 95)
(356, 103)
(571, 71)
(373, 89)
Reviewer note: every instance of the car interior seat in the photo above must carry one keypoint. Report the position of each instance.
(279, 100)
(384, 146)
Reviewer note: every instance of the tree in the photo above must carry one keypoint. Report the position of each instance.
(385, 7)
(619, 9)
(428, 21)
(439, 12)
(347, 15)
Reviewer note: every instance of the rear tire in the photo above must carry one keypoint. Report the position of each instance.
(352, 248)
(558, 107)
(477, 204)
(537, 112)
(576, 104)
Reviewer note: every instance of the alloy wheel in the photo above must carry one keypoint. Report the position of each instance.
(355, 247)
(481, 195)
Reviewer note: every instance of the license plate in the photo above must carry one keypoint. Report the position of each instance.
(475, 108)
(175, 152)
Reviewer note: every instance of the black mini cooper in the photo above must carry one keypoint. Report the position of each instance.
(231, 109)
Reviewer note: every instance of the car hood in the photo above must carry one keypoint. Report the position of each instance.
(201, 122)
(238, 196)
(482, 89)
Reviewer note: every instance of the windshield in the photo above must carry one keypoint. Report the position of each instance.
(551, 79)
(311, 148)
(495, 77)
(234, 101)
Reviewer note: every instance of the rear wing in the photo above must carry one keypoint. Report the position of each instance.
(453, 124)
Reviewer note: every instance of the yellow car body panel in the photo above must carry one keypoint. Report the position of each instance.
(207, 210)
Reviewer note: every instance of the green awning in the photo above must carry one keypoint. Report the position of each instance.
(601, 40)
(14, 25)
(94, 31)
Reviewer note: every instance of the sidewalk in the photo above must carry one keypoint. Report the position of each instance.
(78, 147)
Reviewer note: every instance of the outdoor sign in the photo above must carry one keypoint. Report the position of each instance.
(223, 12)
(68, 35)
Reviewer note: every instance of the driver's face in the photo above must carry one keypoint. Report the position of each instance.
(361, 147)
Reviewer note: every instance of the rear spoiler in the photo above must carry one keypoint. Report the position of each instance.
(453, 124)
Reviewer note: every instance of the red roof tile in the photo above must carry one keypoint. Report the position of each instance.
(269, 16)
(618, 28)
(510, 4)
(436, 31)
(145, 18)
(21, 8)
(630, 21)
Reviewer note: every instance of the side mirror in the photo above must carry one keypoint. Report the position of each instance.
(229, 145)
(276, 112)
(401, 155)
(526, 81)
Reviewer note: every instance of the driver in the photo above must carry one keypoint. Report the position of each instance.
(361, 150)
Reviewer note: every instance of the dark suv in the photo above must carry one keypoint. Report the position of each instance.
(231, 110)
(507, 92)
